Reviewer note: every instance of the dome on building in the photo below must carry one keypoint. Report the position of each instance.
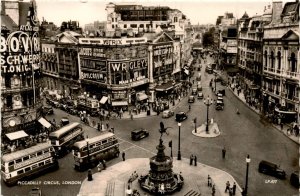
(245, 15)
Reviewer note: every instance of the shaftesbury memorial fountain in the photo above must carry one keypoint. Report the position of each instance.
(161, 179)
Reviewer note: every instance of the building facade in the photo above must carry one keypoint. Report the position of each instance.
(20, 67)
(281, 68)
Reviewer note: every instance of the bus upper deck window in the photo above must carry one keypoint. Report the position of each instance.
(11, 163)
(39, 153)
(32, 155)
(104, 141)
(18, 160)
(25, 158)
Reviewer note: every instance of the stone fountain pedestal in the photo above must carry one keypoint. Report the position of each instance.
(161, 179)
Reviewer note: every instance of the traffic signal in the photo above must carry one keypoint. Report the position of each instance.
(170, 144)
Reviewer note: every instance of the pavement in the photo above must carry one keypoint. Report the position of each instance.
(113, 180)
(277, 127)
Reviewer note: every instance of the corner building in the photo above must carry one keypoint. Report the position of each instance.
(20, 67)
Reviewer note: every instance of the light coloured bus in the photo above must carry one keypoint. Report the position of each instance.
(28, 163)
(90, 151)
(64, 138)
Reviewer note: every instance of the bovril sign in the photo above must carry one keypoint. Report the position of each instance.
(19, 51)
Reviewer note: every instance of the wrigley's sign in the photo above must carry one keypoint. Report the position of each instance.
(128, 65)
(112, 41)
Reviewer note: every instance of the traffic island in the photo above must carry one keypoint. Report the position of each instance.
(213, 130)
(115, 179)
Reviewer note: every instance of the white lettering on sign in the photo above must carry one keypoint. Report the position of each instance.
(96, 52)
(105, 41)
(131, 65)
(31, 161)
(132, 80)
(162, 51)
(19, 41)
(94, 76)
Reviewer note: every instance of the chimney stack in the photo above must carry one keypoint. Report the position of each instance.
(276, 11)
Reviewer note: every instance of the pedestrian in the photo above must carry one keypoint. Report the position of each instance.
(107, 125)
(191, 159)
(190, 107)
(281, 125)
(123, 156)
(213, 190)
(104, 164)
(230, 192)
(195, 160)
(233, 188)
(131, 116)
(99, 127)
(227, 186)
(223, 152)
(209, 181)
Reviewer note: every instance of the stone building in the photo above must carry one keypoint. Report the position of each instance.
(20, 68)
(281, 68)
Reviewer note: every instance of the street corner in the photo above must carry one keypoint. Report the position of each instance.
(213, 131)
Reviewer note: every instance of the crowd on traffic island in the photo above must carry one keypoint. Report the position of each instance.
(291, 130)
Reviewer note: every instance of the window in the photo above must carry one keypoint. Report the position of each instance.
(20, 172)
(47, 161)
(32, 155)
(41, 164)
(25, 158)
(272, 59)
(125, 25)
(11, 163)
(293, 62)
(142, 25)
(34, 166)
(27, 169)
(113, 19)
(39, 153)
(18, 160)
(113, 26)
(133, 25)
(279, 60)
(266, 58)
(104, 141)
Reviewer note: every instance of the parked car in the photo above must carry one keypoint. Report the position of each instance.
(194, 91)
(271, 169)
(200, 95)
(167, 113)
(35, 192)
(180, 116)
(46, 110)
(191, 99)
(221, 91)
(139, 134)
(294, 179)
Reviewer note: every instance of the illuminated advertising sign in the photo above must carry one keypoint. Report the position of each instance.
(128, 65)
(107, 41)
(20, 50)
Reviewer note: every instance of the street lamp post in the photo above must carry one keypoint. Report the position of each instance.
(215, 82)
(207, 102)
(179, 154)
(88, 154)
(247, 171)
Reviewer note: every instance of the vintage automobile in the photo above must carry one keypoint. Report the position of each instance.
(194, 91)
(200, 95)
(191, 99)
(181, 116)
(271, 169)
(46, 110)
(219, 105)
(167, 113)
(35, 192)
(139, 134)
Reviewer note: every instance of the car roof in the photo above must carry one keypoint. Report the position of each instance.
(137, 130)
(268, 163)
(181, 112)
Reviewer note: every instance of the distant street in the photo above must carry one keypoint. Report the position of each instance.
(240, 134)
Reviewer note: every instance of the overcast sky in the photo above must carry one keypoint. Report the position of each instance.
(198, 11)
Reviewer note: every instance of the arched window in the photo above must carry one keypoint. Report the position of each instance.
(266, 58)
(293, 63)
(279, 60)
(272, 59)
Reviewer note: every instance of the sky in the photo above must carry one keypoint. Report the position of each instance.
(198, 11)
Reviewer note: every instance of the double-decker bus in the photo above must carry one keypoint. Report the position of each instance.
(28, 163)
(64, 138)
(90, 151)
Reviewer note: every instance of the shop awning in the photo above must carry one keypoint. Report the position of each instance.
(44, 122)
(165, 87)
(119, 103)
(16, 135)
(103, 100)
(285, 112)
(141, 96)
